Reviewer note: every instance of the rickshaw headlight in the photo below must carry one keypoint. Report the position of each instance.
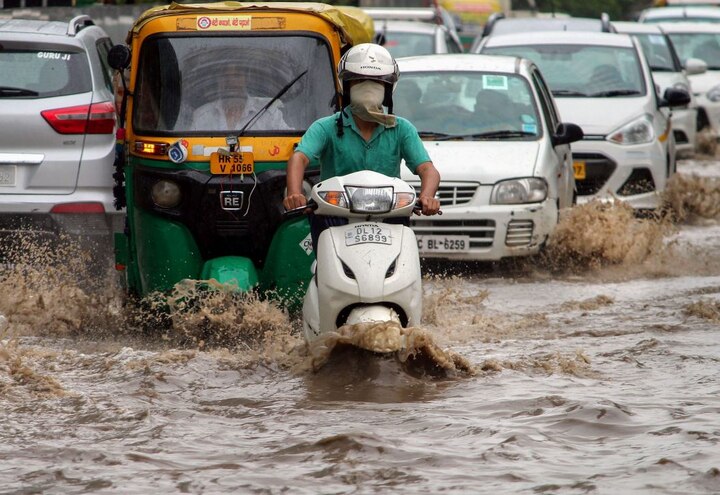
(166, 194)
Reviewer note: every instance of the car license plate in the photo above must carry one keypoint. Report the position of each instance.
(232, 163)
(443, 243)
(7, 175)
(367, 233)
(580, 170)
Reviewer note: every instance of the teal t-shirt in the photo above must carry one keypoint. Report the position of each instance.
(351, 153)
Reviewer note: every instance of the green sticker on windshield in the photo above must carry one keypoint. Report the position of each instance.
(492, 81)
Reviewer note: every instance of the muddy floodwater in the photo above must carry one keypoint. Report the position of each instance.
(594, 368)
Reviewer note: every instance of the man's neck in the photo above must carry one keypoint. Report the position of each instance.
(366, 128)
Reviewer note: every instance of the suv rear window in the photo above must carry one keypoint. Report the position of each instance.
(41, 73)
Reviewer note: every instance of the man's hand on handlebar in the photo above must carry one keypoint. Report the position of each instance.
(293, 201)
(430, 205)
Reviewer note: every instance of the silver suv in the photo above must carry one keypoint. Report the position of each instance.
(58, 121)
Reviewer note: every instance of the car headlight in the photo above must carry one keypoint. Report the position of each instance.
(714, 94)
(519, 191)
(683, 86)
(638, 131)
(166, 194)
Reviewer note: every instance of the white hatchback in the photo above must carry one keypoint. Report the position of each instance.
(669, 72)
(492, 130)
(603, 83)
(699, 40)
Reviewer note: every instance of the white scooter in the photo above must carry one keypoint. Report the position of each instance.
(367, 270)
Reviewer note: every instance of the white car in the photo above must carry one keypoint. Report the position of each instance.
(692, 13)
(602, 82)
(668, 72)
(699, 40)
(410, 38)
(58, 121)
(493, 132)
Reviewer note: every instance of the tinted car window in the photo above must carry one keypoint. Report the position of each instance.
(409, 44)
(462, 103)
(583, 70)
(705, 46)
(180, 77)
(41, 73)
(103, 47)
(657, 52)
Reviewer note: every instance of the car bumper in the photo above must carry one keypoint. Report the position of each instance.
(712, 110)
(495, 231)
(634, 174)
(684, 124)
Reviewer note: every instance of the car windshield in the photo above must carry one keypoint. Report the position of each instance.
(43, 73)
(583, 70)
(468, 105)
(206, 85)
(705, 46)
(657, 52)
(409, 44)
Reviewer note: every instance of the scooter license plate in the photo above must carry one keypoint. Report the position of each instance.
(443, 243)
(367, 233)
(232, 163)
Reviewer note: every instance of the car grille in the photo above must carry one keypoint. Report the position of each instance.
(481, 232)
(598, 168)
(453, 193)
(519, 233)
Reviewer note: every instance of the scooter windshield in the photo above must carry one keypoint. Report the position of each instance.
(200, 85)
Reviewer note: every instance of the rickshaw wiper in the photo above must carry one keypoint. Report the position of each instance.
(273, 100)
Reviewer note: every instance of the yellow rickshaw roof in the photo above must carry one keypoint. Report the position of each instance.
(355, 25)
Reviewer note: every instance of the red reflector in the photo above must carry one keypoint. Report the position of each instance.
(98, 118)
(78, 208)
(119, 267)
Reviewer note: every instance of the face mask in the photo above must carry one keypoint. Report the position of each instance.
(366, 99)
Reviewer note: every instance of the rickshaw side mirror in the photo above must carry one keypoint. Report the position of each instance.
(119, 57)
(379, 38)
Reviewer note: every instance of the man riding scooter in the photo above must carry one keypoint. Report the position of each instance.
(361, 136)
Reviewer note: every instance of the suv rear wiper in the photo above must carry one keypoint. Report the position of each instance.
(489, 135)
(567, 92)
(9, 91)
(617, 92)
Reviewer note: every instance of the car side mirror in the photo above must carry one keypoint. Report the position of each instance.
(567, 133)
(119, 57)
(695, 66)
(674, 97)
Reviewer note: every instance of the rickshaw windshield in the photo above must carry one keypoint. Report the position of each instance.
(201, 85)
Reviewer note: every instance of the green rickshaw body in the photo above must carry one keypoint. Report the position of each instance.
(219, 95)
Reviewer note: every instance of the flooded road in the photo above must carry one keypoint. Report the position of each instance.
(594, 370)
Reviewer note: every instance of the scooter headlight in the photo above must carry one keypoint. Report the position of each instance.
(166, 194)
(370, 199)
(519, 191)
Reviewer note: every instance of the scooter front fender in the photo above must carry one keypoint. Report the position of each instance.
(235, 271)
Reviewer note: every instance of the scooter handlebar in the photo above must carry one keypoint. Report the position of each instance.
(301, 210)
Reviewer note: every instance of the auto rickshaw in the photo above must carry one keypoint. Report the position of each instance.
(218, 96)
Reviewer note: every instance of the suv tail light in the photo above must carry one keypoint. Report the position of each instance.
(98, 118)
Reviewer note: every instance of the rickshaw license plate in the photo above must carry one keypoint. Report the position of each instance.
(372, 233)
(232, 163)
(580, 170)
(443, 243)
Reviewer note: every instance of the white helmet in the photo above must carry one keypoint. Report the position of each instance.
(368, 61)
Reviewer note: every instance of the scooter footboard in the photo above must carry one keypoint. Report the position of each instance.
(368, 263)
